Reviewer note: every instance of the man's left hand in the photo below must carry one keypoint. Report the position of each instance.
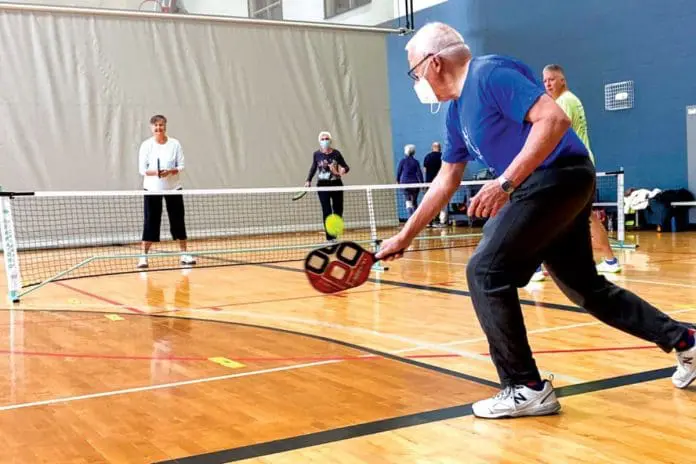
(488, 201)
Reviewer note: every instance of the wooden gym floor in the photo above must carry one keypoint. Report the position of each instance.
(249, 364)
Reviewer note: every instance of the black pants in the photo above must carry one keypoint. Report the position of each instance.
(331, 203)
(411, 194)
(547, 220)
(153, 217)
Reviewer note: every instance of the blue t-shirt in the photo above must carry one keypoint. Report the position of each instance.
(487, 122)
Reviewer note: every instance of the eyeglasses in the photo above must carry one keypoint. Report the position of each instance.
(411, 72)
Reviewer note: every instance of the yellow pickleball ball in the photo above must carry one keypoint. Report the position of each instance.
(334, 224)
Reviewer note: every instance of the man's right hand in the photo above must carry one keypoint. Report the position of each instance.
(393, 248)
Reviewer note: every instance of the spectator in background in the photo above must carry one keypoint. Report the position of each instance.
(431, 165)
(557, 87)
(409, 172)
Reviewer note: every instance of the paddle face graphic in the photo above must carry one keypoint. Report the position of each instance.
(337, 267)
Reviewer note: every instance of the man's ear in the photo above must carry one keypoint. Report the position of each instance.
(436, 63)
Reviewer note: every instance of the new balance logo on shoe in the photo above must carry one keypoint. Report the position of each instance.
(686, 370)
(517, 401)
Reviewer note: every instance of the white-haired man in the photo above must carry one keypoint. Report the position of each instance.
(556, 87)
(539, 209)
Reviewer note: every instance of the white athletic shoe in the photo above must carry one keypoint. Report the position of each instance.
(609, 268)
(686, 368)
(142, 263)
(538, 276)
(518, 401)
(187, 260)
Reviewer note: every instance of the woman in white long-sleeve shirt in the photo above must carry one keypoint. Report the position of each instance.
(161, 160)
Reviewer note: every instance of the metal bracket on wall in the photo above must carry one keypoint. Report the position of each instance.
(410, 23)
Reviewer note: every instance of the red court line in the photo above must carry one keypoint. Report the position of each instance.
(101, 356)
(101, 298)
(307, 297)
(587, 350)
(53, 354)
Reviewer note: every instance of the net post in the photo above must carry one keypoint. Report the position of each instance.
(373, 229)
(9, 246)
(620, 217)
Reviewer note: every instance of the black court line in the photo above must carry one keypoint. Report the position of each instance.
(446, 291)
(386, 425)
(393, 357)
(396, 283)
(412, 286)
(431, 288)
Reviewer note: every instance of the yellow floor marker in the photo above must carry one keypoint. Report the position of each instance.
(226, 362)
(113, 317)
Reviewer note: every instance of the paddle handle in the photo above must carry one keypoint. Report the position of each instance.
(377, 242)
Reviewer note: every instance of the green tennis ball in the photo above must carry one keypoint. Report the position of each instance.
(334, 225)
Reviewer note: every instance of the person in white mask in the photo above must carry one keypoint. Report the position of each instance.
(330, 167)
(538, 207)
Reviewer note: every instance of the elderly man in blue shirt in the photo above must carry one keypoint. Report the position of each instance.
(539, 208)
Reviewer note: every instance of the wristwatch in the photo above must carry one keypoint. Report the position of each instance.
(506, 185)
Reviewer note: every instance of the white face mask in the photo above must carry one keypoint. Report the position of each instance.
(425, 92)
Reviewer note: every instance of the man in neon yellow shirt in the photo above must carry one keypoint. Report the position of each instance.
(556, 87)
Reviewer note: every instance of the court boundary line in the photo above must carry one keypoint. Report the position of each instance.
(298, 442)
(360, 348)
(614, 277)
(70, 399)
(447, 291)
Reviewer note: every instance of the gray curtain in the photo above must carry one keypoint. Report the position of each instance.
(246, 100)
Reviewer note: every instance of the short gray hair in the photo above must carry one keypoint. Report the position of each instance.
(437, 38)
(555, 68)
(409, 149)
(324, 133)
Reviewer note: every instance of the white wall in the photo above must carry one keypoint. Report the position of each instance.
(372, 14)
(303, 10)
(110, 4)
(238, 8)
(377, 12)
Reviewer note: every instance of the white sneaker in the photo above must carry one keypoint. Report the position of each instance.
(187, 260)
(686, 368)
(606, 267)
(538, 276)
(142, 263)
(518, 401)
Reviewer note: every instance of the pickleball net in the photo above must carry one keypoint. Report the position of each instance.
(52, 236)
